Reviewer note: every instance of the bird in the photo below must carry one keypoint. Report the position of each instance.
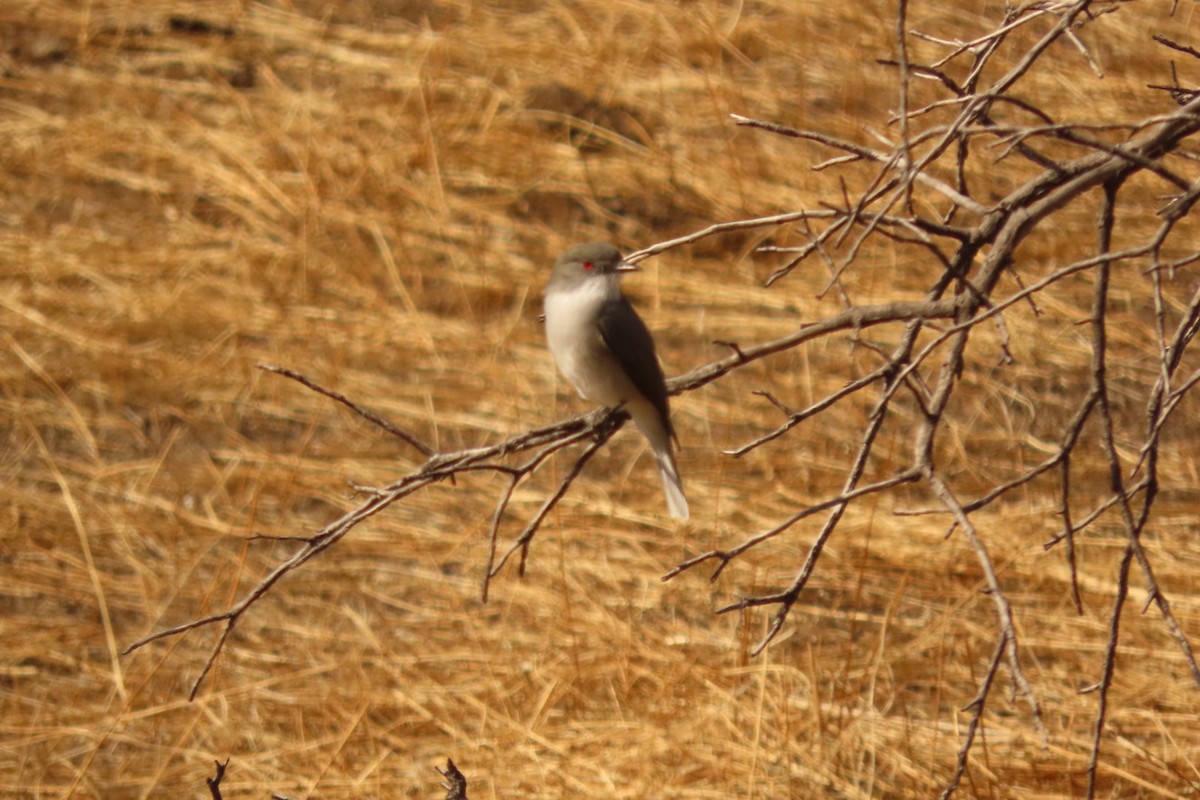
(602, 347)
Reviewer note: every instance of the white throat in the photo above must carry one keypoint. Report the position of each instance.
(579, 303)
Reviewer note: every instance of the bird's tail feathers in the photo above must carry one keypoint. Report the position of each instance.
(657, 430)
(677, 504)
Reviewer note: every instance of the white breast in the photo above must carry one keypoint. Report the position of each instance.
(579, 350)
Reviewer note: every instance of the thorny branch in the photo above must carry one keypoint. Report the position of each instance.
(927, 190)
(1000, 230)
(980, 255)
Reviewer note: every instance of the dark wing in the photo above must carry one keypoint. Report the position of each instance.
(629, 340)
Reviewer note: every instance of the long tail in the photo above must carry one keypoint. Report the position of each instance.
(677, 504)
(658, 431)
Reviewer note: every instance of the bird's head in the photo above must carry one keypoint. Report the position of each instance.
(584, 263)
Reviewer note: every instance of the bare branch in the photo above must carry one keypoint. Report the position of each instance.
(365, 413)
(455, 783)
(864, 153)
(976, 707)
(214, 783)
(1003, 609)
(922, 196)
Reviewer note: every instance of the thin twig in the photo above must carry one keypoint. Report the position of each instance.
(365, 413)
(976, 707)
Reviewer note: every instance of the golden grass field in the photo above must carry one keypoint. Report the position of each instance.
(372, 192)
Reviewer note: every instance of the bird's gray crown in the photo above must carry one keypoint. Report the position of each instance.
(585, 262)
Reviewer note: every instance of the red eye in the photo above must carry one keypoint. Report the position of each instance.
(587, 265)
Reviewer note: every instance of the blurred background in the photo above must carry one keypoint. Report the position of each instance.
(372, 193)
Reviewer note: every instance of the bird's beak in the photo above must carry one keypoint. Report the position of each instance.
(626, 267)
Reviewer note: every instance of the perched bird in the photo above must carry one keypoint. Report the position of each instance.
(603, 348)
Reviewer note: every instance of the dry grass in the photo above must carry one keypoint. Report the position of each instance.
(368, 194)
